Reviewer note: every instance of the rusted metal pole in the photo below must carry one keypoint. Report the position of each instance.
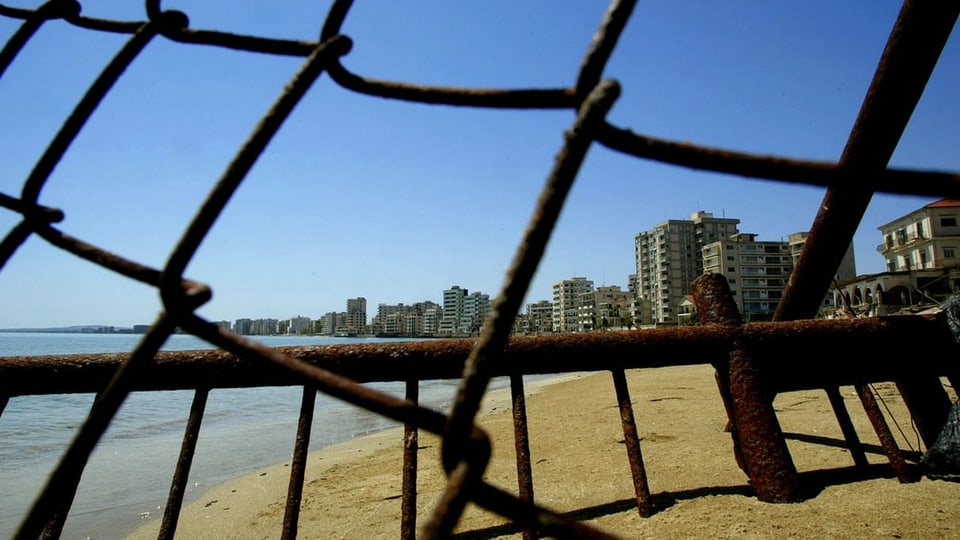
(298, 464)
(521, 438)
(772, 473)
(408, 493)
(715, 305)
(759, 443)
(188, 446)
(915, 43)
(637, 469)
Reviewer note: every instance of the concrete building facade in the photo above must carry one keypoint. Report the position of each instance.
(757, 271)
(567, 295)
(356, 322)
(453, 300)
(540, 317)
(670, 256)
(925, 239)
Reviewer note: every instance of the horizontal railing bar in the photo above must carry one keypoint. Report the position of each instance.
(794, 355)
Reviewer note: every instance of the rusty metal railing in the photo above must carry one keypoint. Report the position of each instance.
(746, 356)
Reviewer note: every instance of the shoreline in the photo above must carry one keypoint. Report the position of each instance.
(265, 486)
(352, 489)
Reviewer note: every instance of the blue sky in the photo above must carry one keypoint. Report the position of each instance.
(360, 196)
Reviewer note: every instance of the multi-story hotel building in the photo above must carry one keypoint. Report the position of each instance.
(566, 301)
(670, 256)
(927, 238)
(922, 255)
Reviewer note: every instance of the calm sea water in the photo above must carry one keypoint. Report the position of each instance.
(128, 477)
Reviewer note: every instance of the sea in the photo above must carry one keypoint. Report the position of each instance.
(128, 477)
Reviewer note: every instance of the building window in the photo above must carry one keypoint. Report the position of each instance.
(731, 269)
(948, 221)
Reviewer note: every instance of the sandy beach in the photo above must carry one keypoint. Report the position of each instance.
(580, 466)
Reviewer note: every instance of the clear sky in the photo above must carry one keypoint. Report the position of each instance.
(360, 196)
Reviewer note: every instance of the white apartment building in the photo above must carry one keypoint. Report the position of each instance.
(757, 271)
(928, 238)
(566, 300)
(670, 256)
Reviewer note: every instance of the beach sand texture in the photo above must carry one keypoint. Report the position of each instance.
(580, 466)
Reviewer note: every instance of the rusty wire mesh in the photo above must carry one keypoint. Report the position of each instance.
(911, 53)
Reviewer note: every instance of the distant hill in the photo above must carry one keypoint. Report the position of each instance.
(83, 329)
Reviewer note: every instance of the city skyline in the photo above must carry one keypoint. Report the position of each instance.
(365, 195)
(548, 298)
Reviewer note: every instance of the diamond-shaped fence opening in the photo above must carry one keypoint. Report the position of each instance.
(744, 355)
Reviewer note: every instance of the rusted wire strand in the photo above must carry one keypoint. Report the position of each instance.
(57, 493)
(602, 46)
(476, 375)
(918, 36)
(84, 109)
(473, 460)
(793, 171)
(915, 43)
(33, 20)
(241, 165)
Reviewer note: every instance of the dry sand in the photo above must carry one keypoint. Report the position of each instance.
(580, 466)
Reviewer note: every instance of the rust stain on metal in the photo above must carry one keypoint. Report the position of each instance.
(750, 368)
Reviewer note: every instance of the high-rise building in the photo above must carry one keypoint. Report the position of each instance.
(476, 308)
(242, 326)
(566, 303)
(669, 257)
(328, 323)
(356, 315)
(453, 300)
(757, 271)
(463, 312)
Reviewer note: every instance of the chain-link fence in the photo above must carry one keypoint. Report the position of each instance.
(744, 355)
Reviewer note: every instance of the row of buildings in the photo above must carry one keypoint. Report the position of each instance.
(921, 252)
